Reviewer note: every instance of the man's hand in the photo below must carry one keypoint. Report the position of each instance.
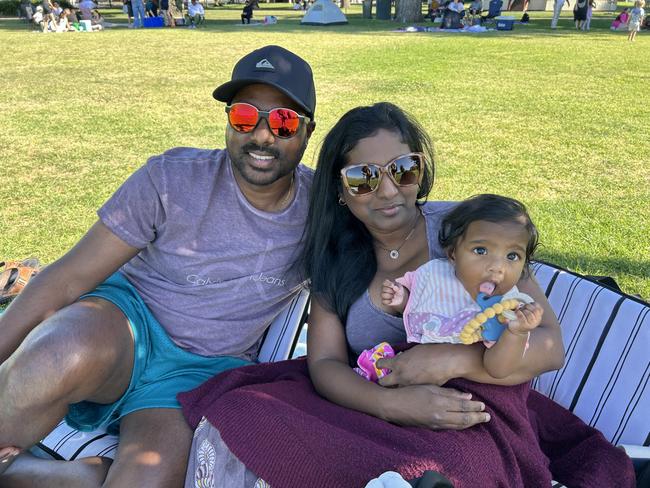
(434, 407)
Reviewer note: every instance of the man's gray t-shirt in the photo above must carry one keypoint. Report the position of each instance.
(213, 269)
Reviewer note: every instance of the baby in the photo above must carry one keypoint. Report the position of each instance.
(489, 241)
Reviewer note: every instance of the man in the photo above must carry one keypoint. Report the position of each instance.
(188, 263)
(195, 14)
(557, 9)
(137, 6)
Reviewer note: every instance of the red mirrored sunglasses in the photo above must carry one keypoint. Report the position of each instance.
(283, 122)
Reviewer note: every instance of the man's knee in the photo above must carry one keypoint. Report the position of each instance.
(69, 354)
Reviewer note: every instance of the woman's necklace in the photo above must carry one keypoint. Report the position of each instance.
(394, 253)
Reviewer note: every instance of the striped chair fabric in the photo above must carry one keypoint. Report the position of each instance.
(606, 375)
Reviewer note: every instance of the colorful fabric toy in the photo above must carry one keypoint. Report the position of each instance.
(367, 361)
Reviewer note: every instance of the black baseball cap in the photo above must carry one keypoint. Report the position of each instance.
(275, 66)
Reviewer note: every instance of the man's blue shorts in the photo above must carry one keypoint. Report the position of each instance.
(161, 369)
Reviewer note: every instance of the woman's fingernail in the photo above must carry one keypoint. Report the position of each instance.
(487, 417)
(7, 453)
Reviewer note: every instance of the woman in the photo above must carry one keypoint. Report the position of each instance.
(365, 225)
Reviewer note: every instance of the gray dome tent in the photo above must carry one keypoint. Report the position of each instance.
(324, 12)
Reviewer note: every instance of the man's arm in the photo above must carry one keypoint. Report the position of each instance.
(93, 259)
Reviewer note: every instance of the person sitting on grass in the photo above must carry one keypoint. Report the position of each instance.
(64, 23)
(452, 15)
(195, 14)
(38, 19)
(247, 13)
(475, 9)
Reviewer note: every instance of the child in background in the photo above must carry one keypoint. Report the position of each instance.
(586, 25)
(489, 241)
(636, 19)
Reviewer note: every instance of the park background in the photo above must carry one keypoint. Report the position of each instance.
(558, 119)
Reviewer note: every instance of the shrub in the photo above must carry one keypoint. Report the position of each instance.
(11, 8)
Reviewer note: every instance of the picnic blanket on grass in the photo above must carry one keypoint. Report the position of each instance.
(273, 420)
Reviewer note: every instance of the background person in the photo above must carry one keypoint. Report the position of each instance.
(637, 14)
(580, 12)
(138, 13)
(620, 22)
(557, 9)
(195, 14)
(247, 12)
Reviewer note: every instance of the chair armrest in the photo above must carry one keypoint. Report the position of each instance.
(282, 335)
(636, 453)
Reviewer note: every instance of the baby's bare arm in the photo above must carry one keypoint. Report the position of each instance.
(508, 354)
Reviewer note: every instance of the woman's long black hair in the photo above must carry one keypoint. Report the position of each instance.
(338, 256)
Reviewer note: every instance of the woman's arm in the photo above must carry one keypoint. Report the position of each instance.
(424, 405)
(438, 363)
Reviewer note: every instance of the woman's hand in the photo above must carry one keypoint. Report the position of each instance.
(424, 364)
(433, 407)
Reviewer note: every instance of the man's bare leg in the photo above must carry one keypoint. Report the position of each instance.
(83, 352)
(153, 450)
(28, 471)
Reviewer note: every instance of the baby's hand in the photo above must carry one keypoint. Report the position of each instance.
(528, 317)
(393, 295)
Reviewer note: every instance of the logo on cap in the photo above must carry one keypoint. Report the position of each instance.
(265, 64)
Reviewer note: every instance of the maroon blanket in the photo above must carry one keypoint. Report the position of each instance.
(273, 420)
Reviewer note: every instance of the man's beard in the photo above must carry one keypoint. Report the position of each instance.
(261, 177)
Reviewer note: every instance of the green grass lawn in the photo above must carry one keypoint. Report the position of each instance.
(558, 119)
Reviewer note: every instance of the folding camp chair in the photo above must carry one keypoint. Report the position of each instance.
(494, 10)
(279, 342)
(605, 379)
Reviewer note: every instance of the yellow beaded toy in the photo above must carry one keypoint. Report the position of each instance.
(503, 311)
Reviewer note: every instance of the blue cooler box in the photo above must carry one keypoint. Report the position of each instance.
(505, 23)
(153, 22)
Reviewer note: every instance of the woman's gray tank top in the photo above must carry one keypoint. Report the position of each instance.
(367, 325)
